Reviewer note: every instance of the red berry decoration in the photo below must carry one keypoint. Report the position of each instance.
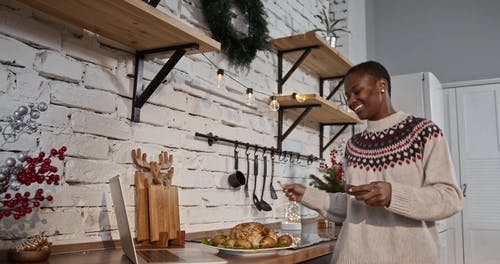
(38, 170)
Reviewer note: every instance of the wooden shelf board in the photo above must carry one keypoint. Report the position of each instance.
(132, 23)
(325, 61)
(328, 113)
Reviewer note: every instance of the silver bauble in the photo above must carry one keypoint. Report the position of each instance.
(16, 115)
(31, 105)
(5, 170)
(10, 162)
(35, 114)
(1, 128)
(2, 177)
(15, 186)
(22, 156)
(19, 124)
(42, 106)
(22, 110)
(32, 125)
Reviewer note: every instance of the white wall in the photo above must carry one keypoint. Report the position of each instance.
(457, 40)
(87, 81)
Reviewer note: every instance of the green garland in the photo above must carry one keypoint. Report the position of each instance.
(240, 49)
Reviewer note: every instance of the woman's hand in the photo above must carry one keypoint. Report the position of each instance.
(294, 191)
(374, 194)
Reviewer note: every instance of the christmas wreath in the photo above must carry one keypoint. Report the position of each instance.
(241, 49)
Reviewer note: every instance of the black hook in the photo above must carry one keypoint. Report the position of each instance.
(256, 149)
(264, 151)
(247, 146)
(282, 157)
(310, 159)
(236, 143)
(272, 153)
(291, 158)
(298, 159)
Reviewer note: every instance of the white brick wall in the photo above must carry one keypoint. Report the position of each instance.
(89, 89)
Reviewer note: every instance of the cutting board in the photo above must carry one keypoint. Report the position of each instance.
(158, 211)
(142, 205)
(173, 214)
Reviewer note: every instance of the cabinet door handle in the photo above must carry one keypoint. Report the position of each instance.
(464, 189)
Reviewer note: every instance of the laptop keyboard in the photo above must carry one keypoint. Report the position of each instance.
(158, 256)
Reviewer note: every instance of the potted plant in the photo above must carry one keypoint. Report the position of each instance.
(332, 182)
(330, 27)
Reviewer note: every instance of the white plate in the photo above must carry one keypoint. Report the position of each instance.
(250, 252)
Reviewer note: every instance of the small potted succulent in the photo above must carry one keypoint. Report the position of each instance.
(330, 27)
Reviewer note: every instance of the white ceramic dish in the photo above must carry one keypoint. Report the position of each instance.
(250, 252)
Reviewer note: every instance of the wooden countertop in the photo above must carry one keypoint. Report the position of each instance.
(116, 255)
(110, 251)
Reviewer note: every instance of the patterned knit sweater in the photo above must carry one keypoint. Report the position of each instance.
(412, 154)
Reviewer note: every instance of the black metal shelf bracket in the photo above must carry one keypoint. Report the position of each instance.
(328, 97)
(281, 81)
(140, 96)
(322, 147)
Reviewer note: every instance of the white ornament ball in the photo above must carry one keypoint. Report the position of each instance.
(42, 106)
(10, 162)
(22, 110)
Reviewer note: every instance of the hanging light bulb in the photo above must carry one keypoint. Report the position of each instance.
(250, 96)
(299, 97)
(220, 78)
(275, 105)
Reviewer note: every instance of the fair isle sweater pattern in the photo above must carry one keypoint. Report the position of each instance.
(402, 143)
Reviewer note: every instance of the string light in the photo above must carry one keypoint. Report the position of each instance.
(250, 96)
(220, 79)
(274, 104)
(226, 74)
(299, 97)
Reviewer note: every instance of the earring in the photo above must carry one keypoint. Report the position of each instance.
(382, 91)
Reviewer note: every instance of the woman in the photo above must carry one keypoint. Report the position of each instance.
(400, 180)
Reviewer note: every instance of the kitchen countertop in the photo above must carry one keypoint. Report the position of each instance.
(312, 249)
(116, 255)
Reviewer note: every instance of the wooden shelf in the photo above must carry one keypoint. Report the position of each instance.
(327, 113)
(132, 23)
(326, 61)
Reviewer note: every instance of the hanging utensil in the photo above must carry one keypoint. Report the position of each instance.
(274, 196)
(256, 201)
(248, 172)
(237, 178)
(263, 204)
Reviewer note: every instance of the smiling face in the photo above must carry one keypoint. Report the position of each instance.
(367, 96)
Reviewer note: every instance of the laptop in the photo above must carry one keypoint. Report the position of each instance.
(139, 256)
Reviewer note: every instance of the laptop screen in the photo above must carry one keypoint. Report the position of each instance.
(126, 238)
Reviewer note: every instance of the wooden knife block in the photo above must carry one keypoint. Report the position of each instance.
(157, 213)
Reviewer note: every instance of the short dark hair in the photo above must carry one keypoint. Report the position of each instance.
(373, 68)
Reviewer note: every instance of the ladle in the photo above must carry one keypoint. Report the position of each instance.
(274, 196)
(256, 201)
(263, 204)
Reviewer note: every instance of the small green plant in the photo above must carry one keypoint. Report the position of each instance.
(329, 29)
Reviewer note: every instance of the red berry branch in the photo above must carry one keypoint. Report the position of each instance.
(30, 170)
